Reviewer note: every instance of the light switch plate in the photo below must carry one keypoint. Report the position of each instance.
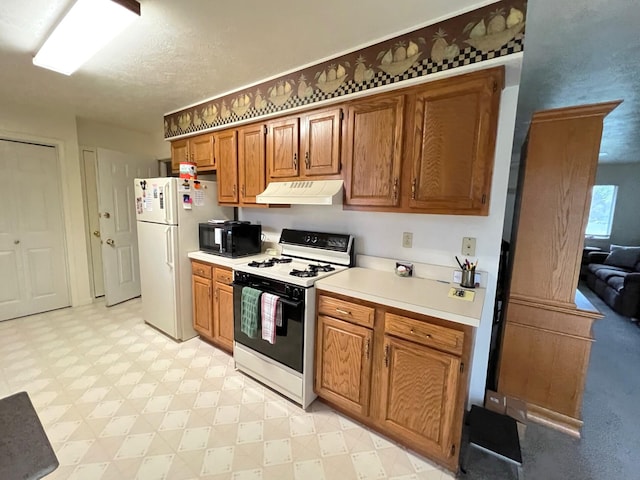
(469, 246)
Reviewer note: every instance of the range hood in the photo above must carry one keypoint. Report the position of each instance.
(317, 192)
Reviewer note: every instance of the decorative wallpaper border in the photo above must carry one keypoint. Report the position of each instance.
(488, 32)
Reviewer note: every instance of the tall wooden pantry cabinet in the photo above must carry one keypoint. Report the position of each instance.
(548, 323)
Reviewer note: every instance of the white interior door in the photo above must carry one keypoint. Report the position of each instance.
(33, 267)
(93, 219)
(116, 172)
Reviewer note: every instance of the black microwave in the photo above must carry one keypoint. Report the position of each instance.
(230, 239)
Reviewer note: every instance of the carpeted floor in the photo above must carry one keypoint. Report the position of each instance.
(610, 443)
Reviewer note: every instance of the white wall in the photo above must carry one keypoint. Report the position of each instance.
(625, 229)
(436, 238)
(103, 135)
(57, 128)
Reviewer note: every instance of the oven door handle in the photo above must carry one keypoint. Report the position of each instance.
(292, 303)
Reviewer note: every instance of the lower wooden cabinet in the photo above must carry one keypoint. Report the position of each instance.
(343, 363)
(405, 376)
(202, 305)
(417, 398)
(213, 303)
(223, 316)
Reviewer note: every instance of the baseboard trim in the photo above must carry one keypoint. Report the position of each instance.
(563, 423)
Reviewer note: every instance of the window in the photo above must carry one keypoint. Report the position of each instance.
(603, 203)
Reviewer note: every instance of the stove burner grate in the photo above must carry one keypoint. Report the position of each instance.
(282, 260)
(263, 264)
(303, 273)
(321, 268)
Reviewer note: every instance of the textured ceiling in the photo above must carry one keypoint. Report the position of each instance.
(584, 51)
(182, 52)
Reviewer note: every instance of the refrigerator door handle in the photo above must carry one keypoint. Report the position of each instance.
(168, 247)
(167, 200)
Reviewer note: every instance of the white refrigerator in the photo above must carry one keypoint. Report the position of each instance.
(168, 211)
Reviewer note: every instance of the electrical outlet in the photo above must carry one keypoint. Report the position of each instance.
(407, 239)
(469, 246)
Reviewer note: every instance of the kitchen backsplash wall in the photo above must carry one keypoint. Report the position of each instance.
(483, 34)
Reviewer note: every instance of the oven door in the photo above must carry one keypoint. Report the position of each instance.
(288, 347)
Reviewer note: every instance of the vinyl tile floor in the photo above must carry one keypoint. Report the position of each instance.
(119, 400)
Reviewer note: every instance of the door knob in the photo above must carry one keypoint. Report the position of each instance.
(106, 215)
(110, 242)
(16, 242)
(96, 233)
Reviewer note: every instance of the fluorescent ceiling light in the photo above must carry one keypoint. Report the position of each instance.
(87, 27)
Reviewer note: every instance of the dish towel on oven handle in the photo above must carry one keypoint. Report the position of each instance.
(250, 311)
(271, 316)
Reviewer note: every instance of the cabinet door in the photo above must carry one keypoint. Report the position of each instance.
(201, 152)
(223, 318)
(282, 148)
(418, 395)
(179, 153)
(251, 162)
(453, 146)
(373, 150)
(202, 305)
(321, 143)
(343, 364)
(227, 160)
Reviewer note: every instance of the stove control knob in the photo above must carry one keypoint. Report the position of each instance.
(296, 293)
(287, 290)
(307, 238)
(314, 239)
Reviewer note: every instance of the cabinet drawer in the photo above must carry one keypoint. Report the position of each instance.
(224, 276)
(201, 269)
(351, 312)
(431, 335)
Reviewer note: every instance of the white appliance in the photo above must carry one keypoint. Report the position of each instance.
(168, 211)
(287, 364)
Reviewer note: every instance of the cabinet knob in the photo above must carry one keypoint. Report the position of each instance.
(295, 161)
(307, 162)
(343, 312)
(413, 189)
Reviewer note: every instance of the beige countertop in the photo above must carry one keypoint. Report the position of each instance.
(224, 261)
(420, 295)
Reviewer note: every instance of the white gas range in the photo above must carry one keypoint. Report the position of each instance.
(287, 364)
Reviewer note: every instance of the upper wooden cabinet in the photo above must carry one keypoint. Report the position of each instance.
(423, 149)
(320, 143)
(283, 148)
(304, 147)
(429, 150)
(179, 153)
(373, 151)
(453, 142)
(226, 155)
(251, 162)
(199, 150)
